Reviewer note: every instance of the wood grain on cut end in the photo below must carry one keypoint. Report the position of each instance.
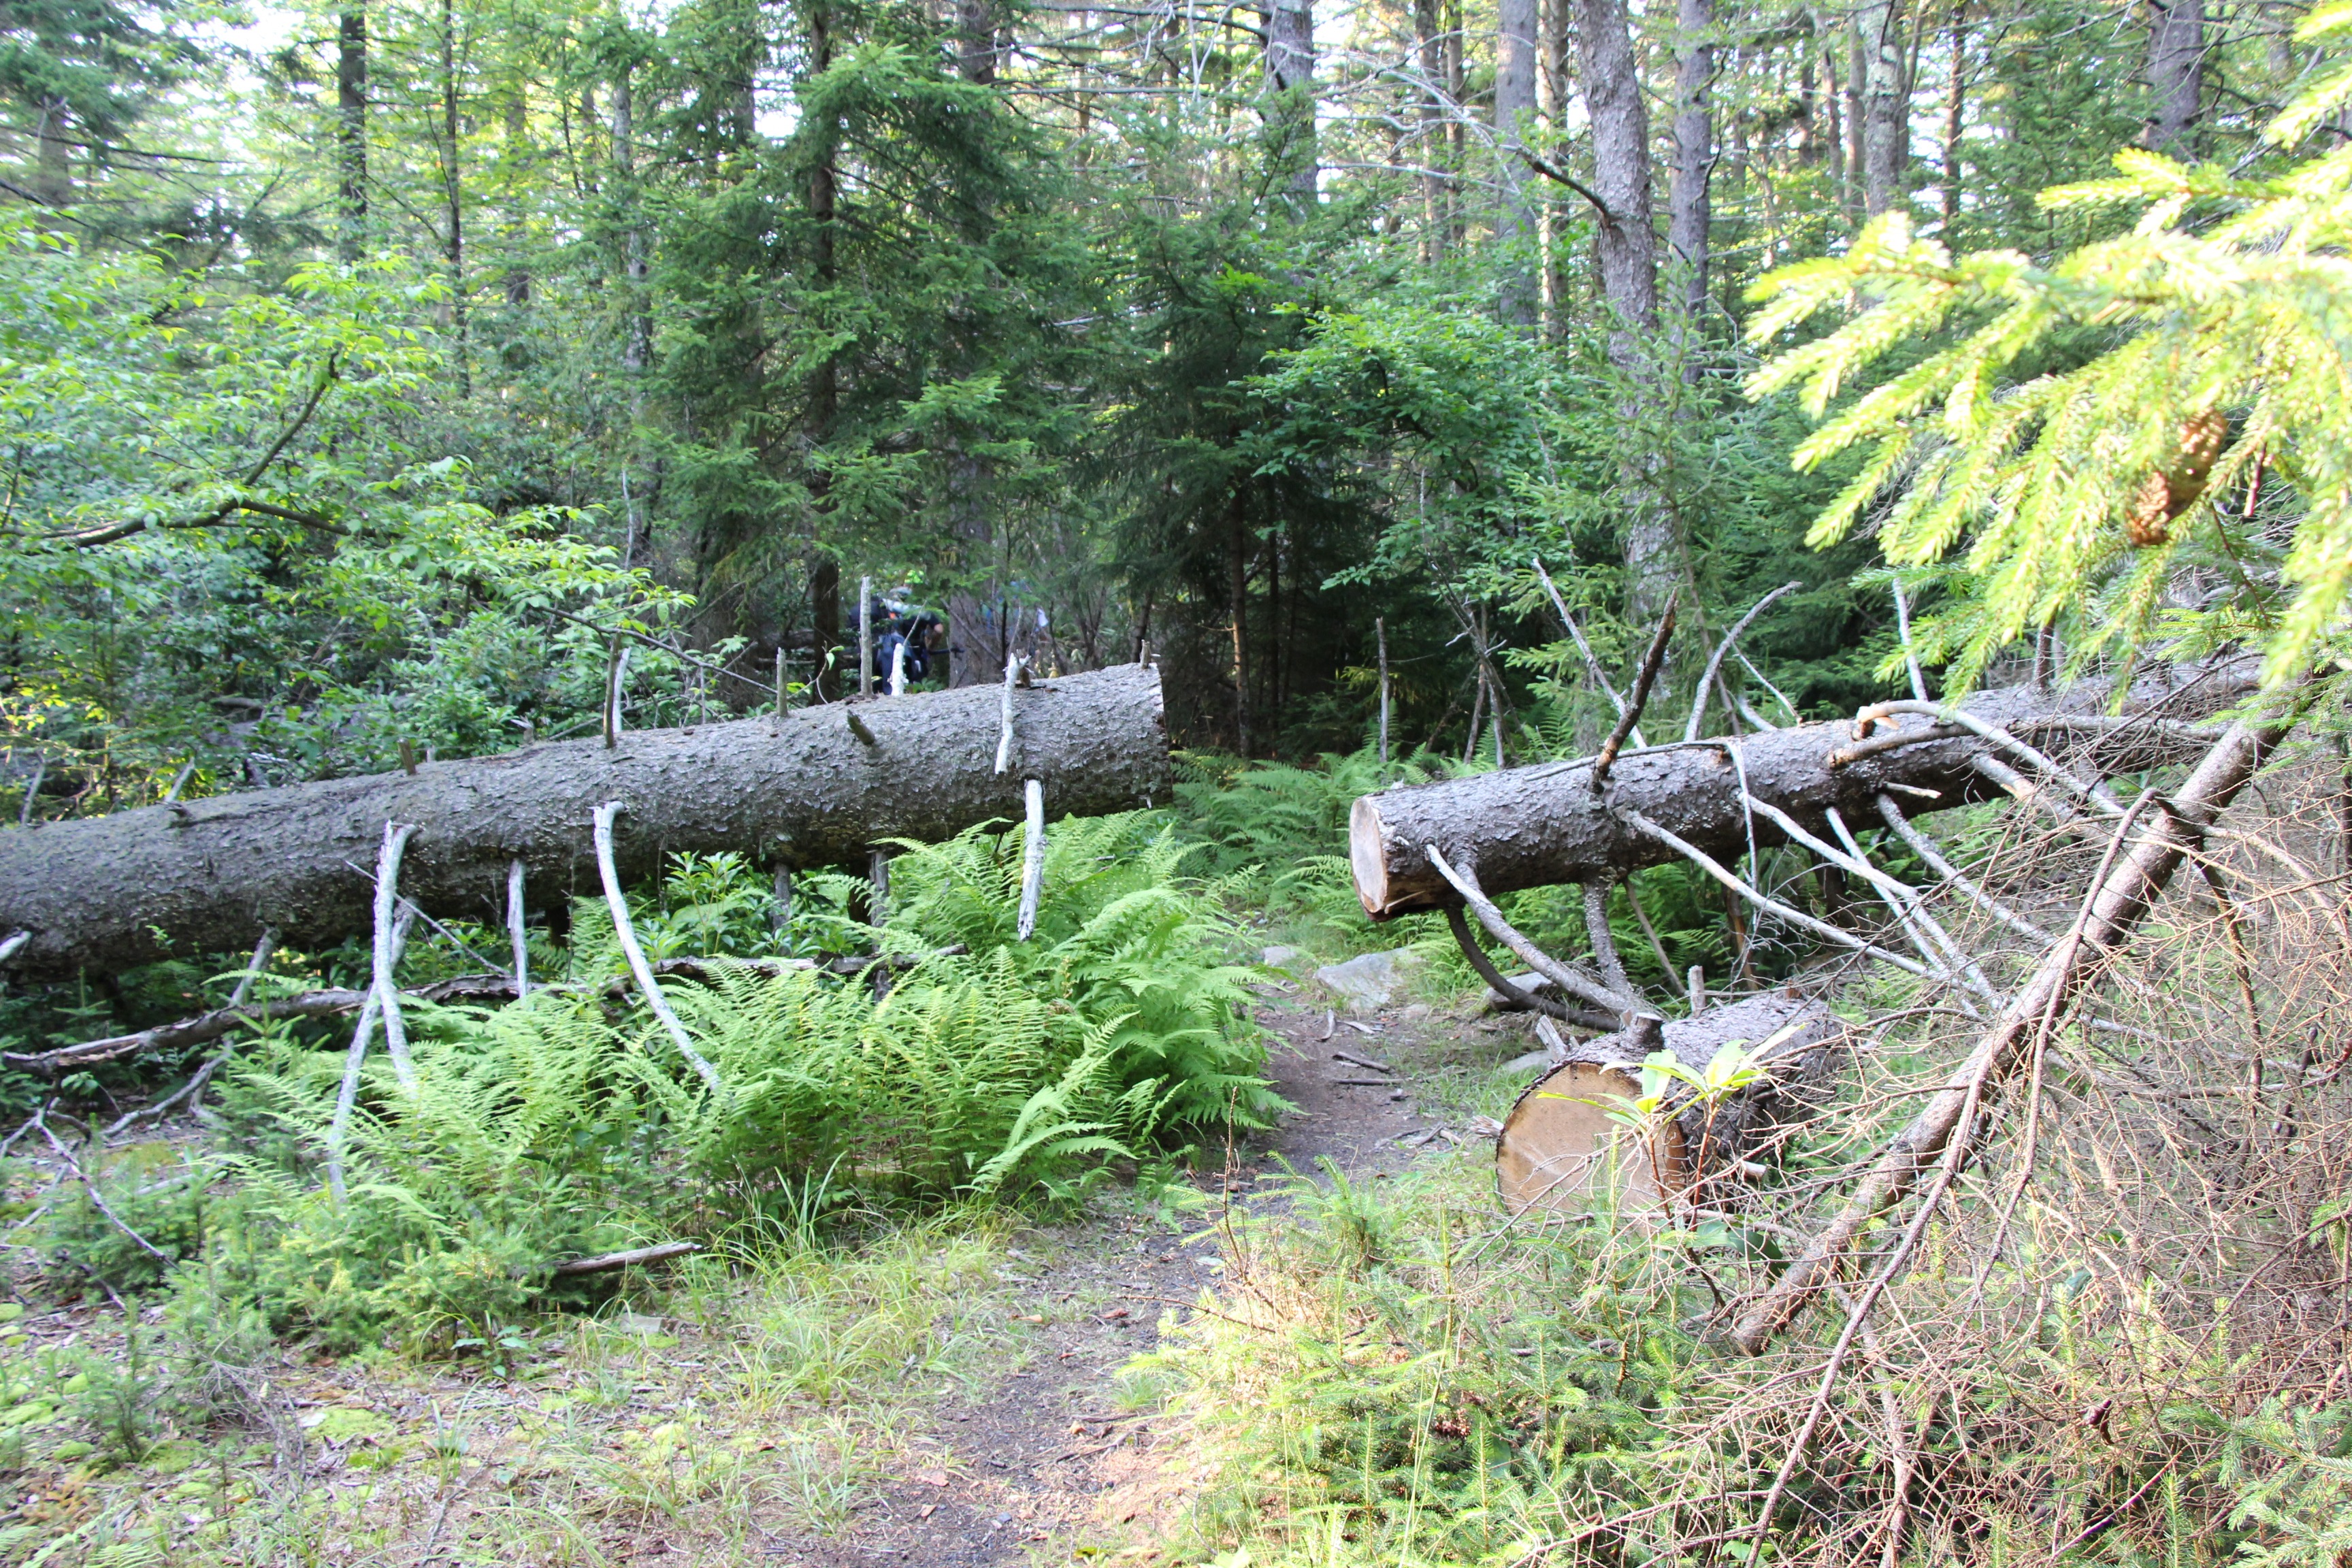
(1561, 1153)
(1368, 854)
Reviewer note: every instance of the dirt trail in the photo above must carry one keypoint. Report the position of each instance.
(1043, 1461)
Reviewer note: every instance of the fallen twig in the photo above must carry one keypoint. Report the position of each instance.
(606, 1262)
(1574, 981)
(1715, 661)
(619, 906)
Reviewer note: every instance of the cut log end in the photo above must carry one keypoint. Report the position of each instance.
(1563, 1152)
(1564, 1149)
(1368, 854)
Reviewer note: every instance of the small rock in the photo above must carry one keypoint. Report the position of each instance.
(1533, 984)
(1414, 1013)
(1370, 981)
(1534, 1061)
(1279, 957)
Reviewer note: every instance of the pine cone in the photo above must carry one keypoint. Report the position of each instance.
(2163, 496)
(2149, 521)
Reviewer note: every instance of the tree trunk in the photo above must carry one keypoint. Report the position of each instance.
(1456, 133)
(517, 151)
(1238, 590)
(351, 133)
(1687, 208)
(824, 626)
(2176, 74)
(1535, 827)
(1551, 101)
(53, 171)
(1429, 35)
(452, 195)
(1626, 248)
(1857, 117)
(1954, 118)
(1807, 129)
(109, 892)
(1887, 101)
(1515, 127)
(976, 54)
(1290, 83)
(637, 330)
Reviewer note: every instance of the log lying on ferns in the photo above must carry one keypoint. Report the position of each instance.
(109, 892)
(1536, 827)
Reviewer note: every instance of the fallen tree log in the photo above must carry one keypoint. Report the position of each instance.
(1536, 827)
(811, 789)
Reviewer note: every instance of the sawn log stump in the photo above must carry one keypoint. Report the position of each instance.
(1561, 1151)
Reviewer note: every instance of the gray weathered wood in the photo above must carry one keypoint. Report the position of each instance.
(111, 891)
(1536, 827)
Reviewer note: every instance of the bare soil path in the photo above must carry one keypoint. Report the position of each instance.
(1042, 1465)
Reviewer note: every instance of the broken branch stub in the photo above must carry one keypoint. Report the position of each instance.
(109, 892)
(1536, 827)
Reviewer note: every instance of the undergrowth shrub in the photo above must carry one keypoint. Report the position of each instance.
(569, 1125)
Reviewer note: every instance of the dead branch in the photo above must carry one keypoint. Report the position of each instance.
(2118, 899)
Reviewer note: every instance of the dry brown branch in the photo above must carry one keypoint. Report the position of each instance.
(1607, 756)
(2118, 899)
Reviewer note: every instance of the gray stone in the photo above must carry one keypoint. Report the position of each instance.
(1370, 981)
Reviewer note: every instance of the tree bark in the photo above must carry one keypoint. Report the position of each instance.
(637, 333)
(1885, 93)
(976, 52)
(1515, 127)
(2176, 74)
(109, 892)
(351, 133)
(454, 196)
(1551, 102)
(1290, 83)
(1688, 209)
(1430, 40)
(1626, 248)
(1955, 117)
(1535, 827)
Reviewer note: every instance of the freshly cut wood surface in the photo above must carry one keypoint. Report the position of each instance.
(109, 892)
(1535, 827)
(1560, 1151)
